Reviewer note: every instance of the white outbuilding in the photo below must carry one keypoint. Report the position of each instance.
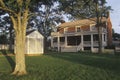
(34, 43)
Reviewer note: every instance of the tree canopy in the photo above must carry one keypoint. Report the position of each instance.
(84, 8)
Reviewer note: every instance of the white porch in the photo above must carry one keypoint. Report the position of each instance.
(75, 43)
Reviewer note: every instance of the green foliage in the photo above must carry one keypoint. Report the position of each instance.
(66, 66)
(84, 8)
(116, 36)
(15, 6)
(3, 39)
(6, 52)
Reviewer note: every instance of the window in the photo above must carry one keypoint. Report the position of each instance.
(62, 39)
(78, 29)
(92, 27)
(55, 39)
(65, 30)
(95, 37)
(87, 37)
(73, 40)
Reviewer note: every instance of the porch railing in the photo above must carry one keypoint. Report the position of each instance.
(79, 47)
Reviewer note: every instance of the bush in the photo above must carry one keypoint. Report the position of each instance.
(5, 52)
(110, 47)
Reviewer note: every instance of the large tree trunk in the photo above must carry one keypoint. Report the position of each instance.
(20, 24)
(20, 68)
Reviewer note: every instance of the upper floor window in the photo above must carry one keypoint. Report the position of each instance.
(65, 30)
(92, 27)
(78, 29)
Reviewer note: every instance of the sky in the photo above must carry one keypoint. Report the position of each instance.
(115, 14)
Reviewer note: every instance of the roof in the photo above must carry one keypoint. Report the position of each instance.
(34, 34)
(30, 31)
(80, 22)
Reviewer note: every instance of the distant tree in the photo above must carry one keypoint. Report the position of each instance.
(3, 39)
(6, 28)
(116, 36)
(46, 20)
(101, 11)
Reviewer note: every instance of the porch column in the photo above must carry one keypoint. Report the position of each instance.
(51, 41)
(82, 42)
(65, 41)
(58, 42)
(91, 42)
(105, 38)
(102, 41)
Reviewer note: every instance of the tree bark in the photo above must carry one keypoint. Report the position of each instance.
(20, 25)
(20, 67)
(100, 39)
(99, 28)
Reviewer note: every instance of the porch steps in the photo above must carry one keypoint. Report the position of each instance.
(68, 49)
(117, 49)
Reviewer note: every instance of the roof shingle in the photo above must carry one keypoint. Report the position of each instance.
(80, 22)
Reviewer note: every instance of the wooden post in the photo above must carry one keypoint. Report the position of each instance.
(58, 42)
(82, 42)
(102, 41)
(91, 42)
(65, 41)
(52, 41)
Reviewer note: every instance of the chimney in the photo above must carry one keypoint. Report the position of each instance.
(62, 21)
(109, 30)
(108, 14)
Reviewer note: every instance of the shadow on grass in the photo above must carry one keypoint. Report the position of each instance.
(102, 61)
(9, 59)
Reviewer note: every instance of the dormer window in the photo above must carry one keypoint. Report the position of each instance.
(78, 29)
(92, 27)
(65, 30)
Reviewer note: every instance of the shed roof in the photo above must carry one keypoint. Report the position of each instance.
(33, 34)
(30, 31)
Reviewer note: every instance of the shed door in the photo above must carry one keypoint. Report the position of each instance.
(39, 46)
(35, 45)
(31, 45)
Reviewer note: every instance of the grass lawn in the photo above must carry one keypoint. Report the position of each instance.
(65, 66)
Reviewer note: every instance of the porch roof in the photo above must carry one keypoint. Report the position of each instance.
(82, 22)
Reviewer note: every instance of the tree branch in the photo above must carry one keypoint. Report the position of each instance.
(14, 22)
(2, 3)
(8, 10)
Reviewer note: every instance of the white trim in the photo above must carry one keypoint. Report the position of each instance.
(92, 44)
(65, 30)
(51, 41)
(82, 43)
(58, 42)
(65, 41)
(76, 27)
(91, 25)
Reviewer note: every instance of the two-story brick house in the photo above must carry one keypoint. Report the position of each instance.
(81, 35)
